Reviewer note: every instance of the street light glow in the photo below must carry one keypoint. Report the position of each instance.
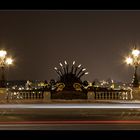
(9, 61)
(3, 53)
(134, 60)
(135, 52)
(4, 61)
(129, 60)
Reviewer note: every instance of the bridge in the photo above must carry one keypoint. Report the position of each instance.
(92, 94)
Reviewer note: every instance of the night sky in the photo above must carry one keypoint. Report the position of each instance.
(99, 40)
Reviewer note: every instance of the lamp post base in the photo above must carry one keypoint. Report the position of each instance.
(3, 93)
(136, 93)
(2, 84)
(135, 84)
(135, 81)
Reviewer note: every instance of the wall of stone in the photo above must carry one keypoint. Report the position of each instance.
(136, 93)
(3, 93)
(47, 95)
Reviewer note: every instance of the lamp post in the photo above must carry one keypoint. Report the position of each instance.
(134, 60)
(4, 61)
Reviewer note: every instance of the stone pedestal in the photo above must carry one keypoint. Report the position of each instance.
(91, 95)
(136, 93)
(47, 95)
(3, 93)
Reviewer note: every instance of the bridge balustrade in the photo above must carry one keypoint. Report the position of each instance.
(25, 94)
(112, 95)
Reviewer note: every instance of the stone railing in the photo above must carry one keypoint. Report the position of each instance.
(93, 94)
(110, 94)
(28, 94)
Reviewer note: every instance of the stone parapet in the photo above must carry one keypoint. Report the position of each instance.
(3, 93)
(91, 95)
(136, 93)
(47, 95)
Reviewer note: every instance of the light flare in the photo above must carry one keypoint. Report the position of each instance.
(129, 60)
(135, 52)
(9, 61)
(3, 53)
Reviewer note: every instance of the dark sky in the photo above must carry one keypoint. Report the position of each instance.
(99, 40)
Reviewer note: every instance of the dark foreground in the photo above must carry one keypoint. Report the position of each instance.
(70, 117)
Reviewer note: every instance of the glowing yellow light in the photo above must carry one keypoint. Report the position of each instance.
(83, 69)
(135, 52)
(128, 60)
(73, 62)
(79, 66)
(86, 73)
(61, 64)
(9, 61)
(65, 62)
(3, 53)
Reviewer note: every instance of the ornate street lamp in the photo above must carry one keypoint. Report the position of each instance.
(134, 60)
(4, 61)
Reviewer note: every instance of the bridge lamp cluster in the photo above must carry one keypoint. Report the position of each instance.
(4, 60)
(134, 60)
